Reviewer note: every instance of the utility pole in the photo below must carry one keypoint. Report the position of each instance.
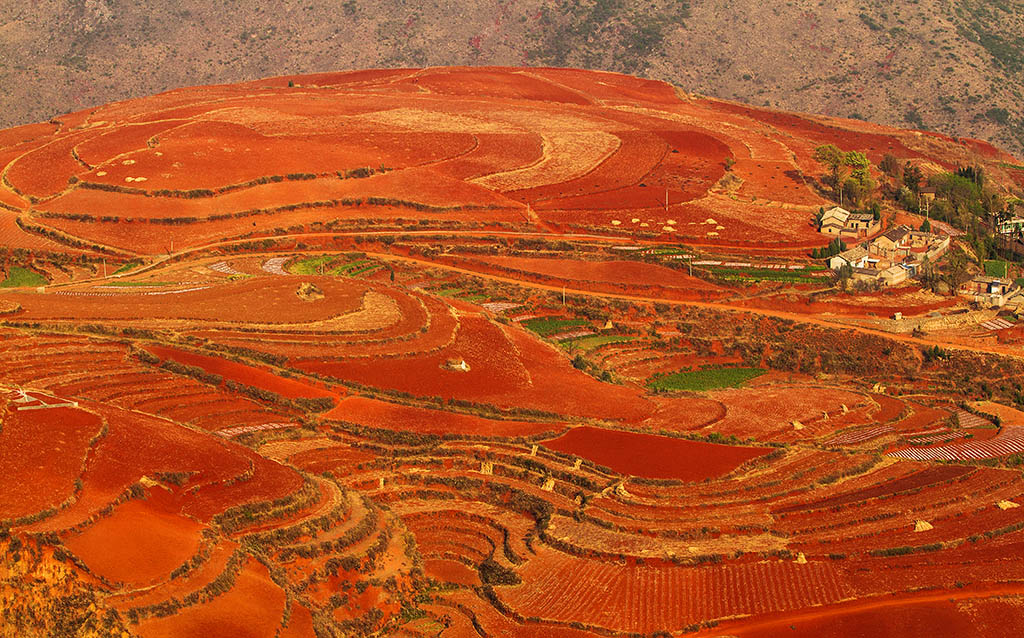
(563, 295)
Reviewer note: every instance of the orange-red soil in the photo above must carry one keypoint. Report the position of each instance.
(651, 456)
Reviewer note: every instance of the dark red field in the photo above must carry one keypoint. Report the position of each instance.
(650, 456)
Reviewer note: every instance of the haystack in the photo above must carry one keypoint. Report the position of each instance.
(922, 526)
(309, 292)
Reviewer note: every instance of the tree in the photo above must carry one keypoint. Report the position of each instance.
(926, 226)
(912, 177)
(956, 271)
(891, 166)
(860, 185)
(834, 159)
(844, 273)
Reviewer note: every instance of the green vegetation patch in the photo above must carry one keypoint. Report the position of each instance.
(131, 265)
(707, 379)
(362, 270)
(995, 268)
(810, 274)
(596, 341)
(18, 277)
(545, 326)
(347, 268)
(312, 265)
(448, 292)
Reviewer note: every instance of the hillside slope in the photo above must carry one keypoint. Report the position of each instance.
(952, 66)
(536, 150)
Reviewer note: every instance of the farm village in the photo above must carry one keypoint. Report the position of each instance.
(499, 352)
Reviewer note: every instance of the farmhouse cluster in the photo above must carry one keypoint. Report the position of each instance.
(889, 259)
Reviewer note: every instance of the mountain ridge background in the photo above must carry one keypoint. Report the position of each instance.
(953, 66)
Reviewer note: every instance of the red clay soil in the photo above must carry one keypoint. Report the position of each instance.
(634, 273)
(142, 541)
(760, 412)
(250, 609)
(262, 300)
(392, 416)
(300, 624)
(932, 614)
(242, 373)
(434, 130)
(42, 453)
(507, 368)
(450, 571)
(651, 456)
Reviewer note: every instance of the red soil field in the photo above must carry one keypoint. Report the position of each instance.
(507, 368)
(762, 412)
(43, 452)
(477, 83)
(651, 456)
(12, 236)
(494, 152)
(25, 133)
(124, 139)
(989, 615)
(392, 416)
(617, 272)
(612, 86)
(212, 137)
(450, 571)
(141, 542)
(242, 373)
(639, 153)
(250, 609)
(262, 300)
(656, 534)
(47, 170)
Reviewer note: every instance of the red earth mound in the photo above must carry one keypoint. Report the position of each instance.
(589, 149)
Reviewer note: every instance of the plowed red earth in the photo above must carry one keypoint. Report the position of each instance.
(650, 456)
(242, 373)
(633, 273)
(258, 301)
(196, 508)
(433, 130)
(392, 416)
(506, 367)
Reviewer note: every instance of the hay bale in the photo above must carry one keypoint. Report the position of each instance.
(309, 292)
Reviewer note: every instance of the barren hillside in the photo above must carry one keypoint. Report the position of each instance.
(955, 67)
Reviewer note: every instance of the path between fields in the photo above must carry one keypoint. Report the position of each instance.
(778, 314)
